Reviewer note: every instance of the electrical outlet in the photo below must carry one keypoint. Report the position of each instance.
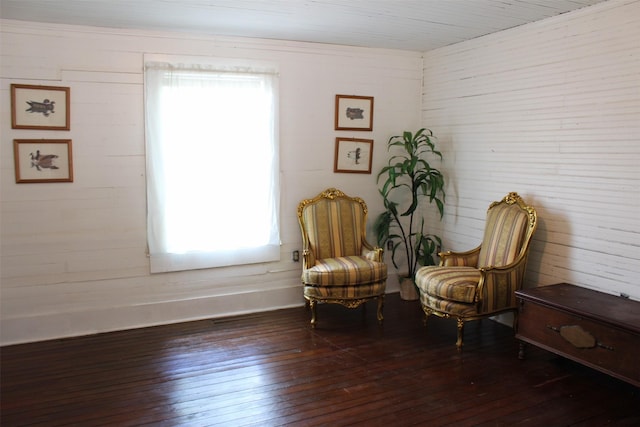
(295, 255)
(389, 245)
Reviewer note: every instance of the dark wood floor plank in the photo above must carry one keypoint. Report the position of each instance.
(272, 369)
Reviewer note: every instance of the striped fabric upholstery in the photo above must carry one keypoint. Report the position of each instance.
(446, 306)
(345, 292)
(453, 284)
(499, 290)
(453, 260)
(345, 271)
(503, 235)
(339, 265)
(334, 228)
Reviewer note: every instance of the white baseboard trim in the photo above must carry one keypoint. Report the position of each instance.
(19, 330)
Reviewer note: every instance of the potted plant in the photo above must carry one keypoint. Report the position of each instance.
(408, 178)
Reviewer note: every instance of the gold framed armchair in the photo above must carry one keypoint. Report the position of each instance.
(339, 265)
(482, 282)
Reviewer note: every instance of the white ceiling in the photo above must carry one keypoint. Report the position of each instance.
(419, 25)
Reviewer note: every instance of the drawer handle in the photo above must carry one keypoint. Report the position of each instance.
(578, 337)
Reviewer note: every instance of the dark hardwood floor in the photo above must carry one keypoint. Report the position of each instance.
(271, 369)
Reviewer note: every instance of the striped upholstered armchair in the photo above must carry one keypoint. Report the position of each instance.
(338, 264)
(482, 282)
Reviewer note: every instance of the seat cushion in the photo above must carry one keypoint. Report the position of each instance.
(446, 306)
(345, 271)
(457, 284)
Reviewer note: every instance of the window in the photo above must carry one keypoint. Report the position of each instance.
(212, 165)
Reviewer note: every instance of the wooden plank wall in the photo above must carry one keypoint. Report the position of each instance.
(74, 255)
(550, 110)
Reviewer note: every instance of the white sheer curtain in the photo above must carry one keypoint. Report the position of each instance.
(212, 165)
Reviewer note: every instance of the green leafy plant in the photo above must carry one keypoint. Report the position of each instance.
(407, 179)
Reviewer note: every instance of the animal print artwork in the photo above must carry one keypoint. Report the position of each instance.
(45, 107)
(355, 113)
(43, 161)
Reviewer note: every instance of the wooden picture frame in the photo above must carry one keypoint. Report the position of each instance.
(40, 107)
(354, 112)
(43, 160)
(353, 155)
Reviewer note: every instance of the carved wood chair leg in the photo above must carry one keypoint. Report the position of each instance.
(426, 316)
(312, 305)
(380, 308)
(460, 333)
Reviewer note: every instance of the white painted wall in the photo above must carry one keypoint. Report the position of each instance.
(550, 110)
(74, 254)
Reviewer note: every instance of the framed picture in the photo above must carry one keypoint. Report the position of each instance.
(40, 107)
(354, 112)
(43, 160)
(353, 155)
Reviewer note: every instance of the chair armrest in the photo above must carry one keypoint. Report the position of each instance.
(372, 253)
(308, 259)
(376, 254)
(459, 259)
(497, 286)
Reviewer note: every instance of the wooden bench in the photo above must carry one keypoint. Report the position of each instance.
(599, 330)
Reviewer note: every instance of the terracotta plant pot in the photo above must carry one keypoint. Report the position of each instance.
(408, 291)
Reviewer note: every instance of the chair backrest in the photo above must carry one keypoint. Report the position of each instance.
(508, 231)
(333, 224)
